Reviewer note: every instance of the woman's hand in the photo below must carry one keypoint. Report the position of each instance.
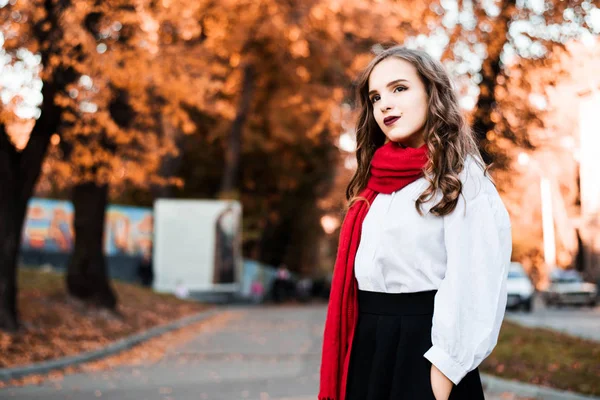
(441, 385)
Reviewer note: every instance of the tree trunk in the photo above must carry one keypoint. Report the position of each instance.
(233, 150)
(8, 272)
(87, 276)
(169, 165)
(20, 170)
(490, 69)
(12, 217)
(9, 237)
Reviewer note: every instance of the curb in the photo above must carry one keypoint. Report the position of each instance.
(494, 384)
(113, 348)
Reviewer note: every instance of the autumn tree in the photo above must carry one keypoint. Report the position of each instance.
(100, 142)
(96, 62)
(485, 44)
(485, 38)
(43, 33)
(279, 71)
(549, 93)
(496, 50)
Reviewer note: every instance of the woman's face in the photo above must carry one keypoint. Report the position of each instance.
(399, 101)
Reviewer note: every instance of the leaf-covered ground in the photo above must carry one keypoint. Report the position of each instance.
(544, 357)
(55, 325)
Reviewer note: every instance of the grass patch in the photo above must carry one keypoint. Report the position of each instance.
(56, 325)
(544, 357)
(39, 280)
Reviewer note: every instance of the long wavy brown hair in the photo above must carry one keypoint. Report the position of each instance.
(447, 135)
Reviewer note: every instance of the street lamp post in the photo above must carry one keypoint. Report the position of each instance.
(548, 232)
(548, 223)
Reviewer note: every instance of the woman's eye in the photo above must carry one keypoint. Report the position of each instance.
(402, 89)
(374, 98)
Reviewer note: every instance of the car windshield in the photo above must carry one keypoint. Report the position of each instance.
(567, 277)
(514, 274)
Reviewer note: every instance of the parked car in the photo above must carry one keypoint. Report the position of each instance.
(568, 287)
(519, 288)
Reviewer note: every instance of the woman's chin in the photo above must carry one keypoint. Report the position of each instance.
(405, 140)
(398, 140)
(397, 137)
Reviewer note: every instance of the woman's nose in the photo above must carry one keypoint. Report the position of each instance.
(384, 106)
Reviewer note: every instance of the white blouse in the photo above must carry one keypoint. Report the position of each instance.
(463, 255)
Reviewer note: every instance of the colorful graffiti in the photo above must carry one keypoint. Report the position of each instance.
(128, 230)
(49, 228)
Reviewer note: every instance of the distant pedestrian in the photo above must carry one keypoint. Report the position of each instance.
(257, 291)
(304, 289)
(419, 283)
(145, 272)
(282, 284)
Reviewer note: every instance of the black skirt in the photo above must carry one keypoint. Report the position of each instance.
(392, 335)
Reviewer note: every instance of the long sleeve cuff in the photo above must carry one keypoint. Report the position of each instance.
(453, 370)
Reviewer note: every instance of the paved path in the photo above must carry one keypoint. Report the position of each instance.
(577, 321)
(260, 354)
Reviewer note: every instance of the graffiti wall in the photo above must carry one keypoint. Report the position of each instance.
(128, 230)
(49, 228)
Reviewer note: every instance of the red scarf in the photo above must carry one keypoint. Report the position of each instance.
(392, 168)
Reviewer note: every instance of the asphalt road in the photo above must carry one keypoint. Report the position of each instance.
(577, 321)
(266, 353)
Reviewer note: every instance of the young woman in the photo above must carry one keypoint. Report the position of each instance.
(419, 284)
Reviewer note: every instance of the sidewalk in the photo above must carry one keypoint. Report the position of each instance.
(261, 353)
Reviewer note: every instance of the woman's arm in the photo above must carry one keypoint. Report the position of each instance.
(471, 299)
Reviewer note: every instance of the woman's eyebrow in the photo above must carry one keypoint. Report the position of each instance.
(392, 83)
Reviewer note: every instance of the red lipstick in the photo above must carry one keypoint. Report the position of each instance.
(390, 120)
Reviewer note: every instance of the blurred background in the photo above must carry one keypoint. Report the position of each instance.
(202, 149)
